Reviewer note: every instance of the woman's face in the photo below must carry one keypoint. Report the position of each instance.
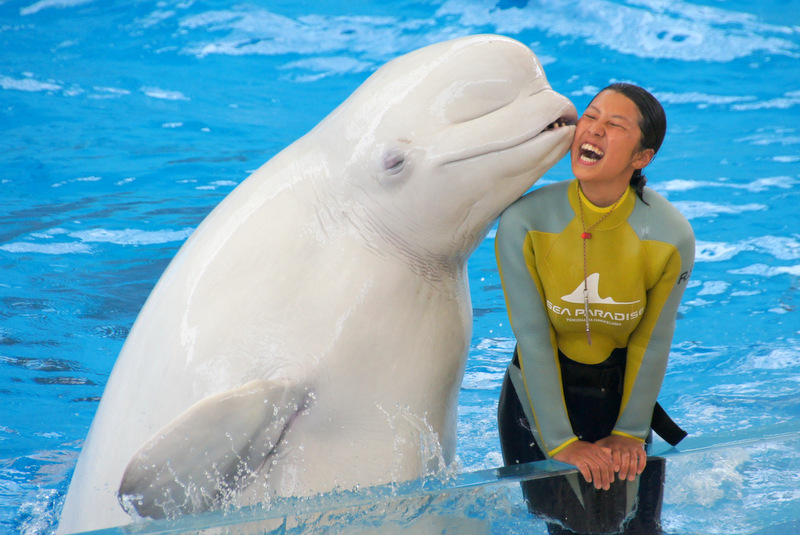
(607, 138)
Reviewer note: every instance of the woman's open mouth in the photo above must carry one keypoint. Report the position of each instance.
(590, 154)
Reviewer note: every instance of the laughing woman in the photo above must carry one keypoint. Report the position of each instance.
(593, 271)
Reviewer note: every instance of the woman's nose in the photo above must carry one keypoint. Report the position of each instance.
(596, 129)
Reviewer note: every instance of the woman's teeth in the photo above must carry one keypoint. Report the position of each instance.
(590, 153)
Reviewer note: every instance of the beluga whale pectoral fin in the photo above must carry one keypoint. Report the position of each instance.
(210, 450)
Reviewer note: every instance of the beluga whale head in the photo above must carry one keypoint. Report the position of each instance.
(436, 143)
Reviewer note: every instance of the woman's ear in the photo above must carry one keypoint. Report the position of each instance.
(643, 158)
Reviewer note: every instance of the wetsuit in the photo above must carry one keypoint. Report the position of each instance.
(637, 263)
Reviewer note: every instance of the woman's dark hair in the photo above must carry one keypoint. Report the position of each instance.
(653, 124)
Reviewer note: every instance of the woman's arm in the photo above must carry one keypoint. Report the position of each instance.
(670, 249)
(535, 337)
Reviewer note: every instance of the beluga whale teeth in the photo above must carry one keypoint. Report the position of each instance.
(590, 153)
(558, 123)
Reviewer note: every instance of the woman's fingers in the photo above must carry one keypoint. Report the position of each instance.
(600, 463)
(586, 472)
(595, 473)
(634, 462)
(629, 456)
(642, 458)
(595, 463)
(625, 463)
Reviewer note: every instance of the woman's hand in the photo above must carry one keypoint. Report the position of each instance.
(594, 461)
(628, 453)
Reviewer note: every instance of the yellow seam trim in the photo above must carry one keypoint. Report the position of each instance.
(621, 434)
(527, 393)
(562, 446)
(521, 365)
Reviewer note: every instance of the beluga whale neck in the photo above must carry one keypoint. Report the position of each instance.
(312, 333)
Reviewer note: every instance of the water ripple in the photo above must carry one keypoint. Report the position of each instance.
(648, 29)
(98, 235)
(778, 247)
(696, 209)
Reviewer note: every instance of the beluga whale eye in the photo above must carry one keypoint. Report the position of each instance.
(394, 162)
(391, 165)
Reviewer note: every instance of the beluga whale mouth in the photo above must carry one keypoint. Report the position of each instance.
(567, 117)
(563, 121)
(560, 122)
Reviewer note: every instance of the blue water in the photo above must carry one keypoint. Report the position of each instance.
(122, 124)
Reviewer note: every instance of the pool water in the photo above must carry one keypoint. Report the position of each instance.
(122, 124)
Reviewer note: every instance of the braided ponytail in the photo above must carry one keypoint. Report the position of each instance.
(638, 181)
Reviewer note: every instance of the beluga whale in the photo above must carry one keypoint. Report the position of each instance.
(311, 334)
